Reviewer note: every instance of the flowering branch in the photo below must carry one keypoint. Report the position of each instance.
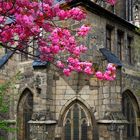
(25, 21)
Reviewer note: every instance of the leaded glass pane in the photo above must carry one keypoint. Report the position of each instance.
(84, 130)
(76, 122)
(68, 130)
(108, 37)
(128, 111)
(83, 114)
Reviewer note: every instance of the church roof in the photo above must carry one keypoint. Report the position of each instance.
(37, 64)
(5, 58)
(111, 57)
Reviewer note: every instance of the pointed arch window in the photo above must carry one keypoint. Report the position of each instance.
(24, 113)
(76, 123)
(129, 113)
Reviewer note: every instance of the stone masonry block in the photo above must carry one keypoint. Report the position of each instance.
(106, 95)
(106, 89)
(118, 88)
(106, 101)
(113, 89)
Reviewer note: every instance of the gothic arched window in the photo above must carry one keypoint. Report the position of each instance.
(130, 114)
(24, 112)
(76, 123)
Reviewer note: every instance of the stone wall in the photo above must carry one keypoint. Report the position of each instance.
(54, 93)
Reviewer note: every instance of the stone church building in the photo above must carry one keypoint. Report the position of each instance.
(46, 105)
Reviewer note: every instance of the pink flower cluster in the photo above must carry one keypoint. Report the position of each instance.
(109, 74)
(2, 19)
(74, 13)
(73, 64)
(83, 30)
(36, 20)
(62, 40)
(111, 2)
(29, 17)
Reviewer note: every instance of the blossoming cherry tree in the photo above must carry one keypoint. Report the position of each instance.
(25, 21)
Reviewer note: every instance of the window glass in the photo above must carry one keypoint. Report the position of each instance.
(128, 111)
(75, 125)
(120, 38)
(108, 38)
(129, 50)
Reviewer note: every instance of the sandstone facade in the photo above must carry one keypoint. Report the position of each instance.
(48, 105)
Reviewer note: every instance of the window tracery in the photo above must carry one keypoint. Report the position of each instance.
(76, 123)
(129, 112)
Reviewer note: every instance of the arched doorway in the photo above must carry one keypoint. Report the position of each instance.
(24, 112)
(77, 124)
(131, 111)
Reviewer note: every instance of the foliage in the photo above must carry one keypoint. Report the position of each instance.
(24, 23)
(4, 107)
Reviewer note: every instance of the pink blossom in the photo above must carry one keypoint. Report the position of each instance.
(76, 51)
(108, 77)
(6, 36)
(99, 75)
(71, 67)
(35, 29)
(55, 40)
(108, 72)
(78, 68)
(111, 67)
(55, 49)
(47, 27)
(83, 48)
(2, 19)
(67, 72)
(50, 2)
(88, 64)
(56, 9)
(77, 14)
(71, 40)
(83, 30)
(62, 14)
(60, 64)
(45, 57)
(45, 50)
(72, 60)
(88, 70)
(112, 2)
